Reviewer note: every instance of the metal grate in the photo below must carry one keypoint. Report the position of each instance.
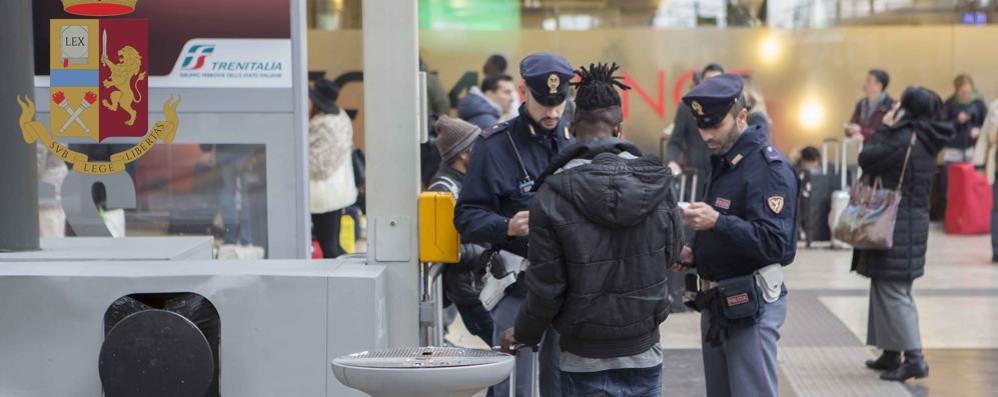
(422, 357)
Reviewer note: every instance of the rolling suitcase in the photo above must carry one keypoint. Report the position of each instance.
(688, 182)
(840, 198)
(816, 195)
(968, 208)
(534, 375)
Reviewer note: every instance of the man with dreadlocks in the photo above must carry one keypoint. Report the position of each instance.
(603, 231)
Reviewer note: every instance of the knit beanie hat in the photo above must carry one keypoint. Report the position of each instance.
(454, 136)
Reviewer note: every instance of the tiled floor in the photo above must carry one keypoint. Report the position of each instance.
(822, 347)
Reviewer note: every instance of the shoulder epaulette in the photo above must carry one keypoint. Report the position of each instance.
(495, 129)
(772, 155)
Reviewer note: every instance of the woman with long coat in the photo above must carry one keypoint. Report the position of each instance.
(331, 179)
(893, 316)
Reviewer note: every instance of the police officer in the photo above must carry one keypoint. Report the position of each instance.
(744, 235)
(492, 209)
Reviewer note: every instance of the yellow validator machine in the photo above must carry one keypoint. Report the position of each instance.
(438, 238)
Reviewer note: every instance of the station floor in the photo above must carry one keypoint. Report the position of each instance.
(822, 349)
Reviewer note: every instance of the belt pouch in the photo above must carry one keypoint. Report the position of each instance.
(739, 299)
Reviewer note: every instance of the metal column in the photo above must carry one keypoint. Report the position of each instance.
(391, 92)
(19, 173)
(299, 60)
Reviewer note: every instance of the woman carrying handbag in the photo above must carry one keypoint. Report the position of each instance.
(914, 129)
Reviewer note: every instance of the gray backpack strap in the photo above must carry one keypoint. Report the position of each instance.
(449, 184)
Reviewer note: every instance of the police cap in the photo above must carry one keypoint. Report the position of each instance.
(712, 100)
(547, 76)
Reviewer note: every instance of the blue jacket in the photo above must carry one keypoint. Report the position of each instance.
(755, 190)
(496, 188)
(476, 109)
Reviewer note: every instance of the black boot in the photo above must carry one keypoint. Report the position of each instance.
(888, 361)
(917, 369)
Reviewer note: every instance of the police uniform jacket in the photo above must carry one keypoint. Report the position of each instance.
(755, 191)
(497, 186)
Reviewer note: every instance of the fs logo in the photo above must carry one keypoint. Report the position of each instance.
(198, 52)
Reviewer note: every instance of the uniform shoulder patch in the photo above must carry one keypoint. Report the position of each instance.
(775, 204)
(772, 155)
(495, 129)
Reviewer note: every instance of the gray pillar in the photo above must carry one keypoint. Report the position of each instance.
(19, 172)
(391, 93)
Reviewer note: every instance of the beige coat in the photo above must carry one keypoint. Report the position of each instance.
(330, 144)
(987, 144)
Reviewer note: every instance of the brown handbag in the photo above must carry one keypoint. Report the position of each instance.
(868, 221)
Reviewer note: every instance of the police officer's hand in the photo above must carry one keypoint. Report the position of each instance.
(700, 216)
(519, 225)
(891, 117)
(676, 169)
(508, 340)
(685, 259)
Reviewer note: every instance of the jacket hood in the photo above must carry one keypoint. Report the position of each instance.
(934, 134)
(475, 103)
(611, 191)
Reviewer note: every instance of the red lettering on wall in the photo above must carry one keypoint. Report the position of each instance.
(658, 106)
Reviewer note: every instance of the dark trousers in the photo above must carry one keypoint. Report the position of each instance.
(944, 188)
(627, 382)
(354, 212)
(326, 228)
(478, 321)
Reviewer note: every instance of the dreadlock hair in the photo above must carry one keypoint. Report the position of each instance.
(597, 101)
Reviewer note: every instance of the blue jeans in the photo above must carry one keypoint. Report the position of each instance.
(627, 382)
(994, 224)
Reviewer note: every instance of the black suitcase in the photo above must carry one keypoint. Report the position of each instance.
(816, 191)
(816, 204)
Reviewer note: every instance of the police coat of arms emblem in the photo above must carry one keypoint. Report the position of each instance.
(98, 86)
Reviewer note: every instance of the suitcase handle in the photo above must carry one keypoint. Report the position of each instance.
(535, 383)
(694, 174)
(824, 154)
(844, 165)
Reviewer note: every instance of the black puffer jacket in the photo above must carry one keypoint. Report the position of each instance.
(883, 154)
(602, 237)
(977, 111)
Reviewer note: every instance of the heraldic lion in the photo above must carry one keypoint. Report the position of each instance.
(128, 66)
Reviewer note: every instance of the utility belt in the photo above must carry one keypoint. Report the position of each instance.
(735, 302)
(501, 270)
